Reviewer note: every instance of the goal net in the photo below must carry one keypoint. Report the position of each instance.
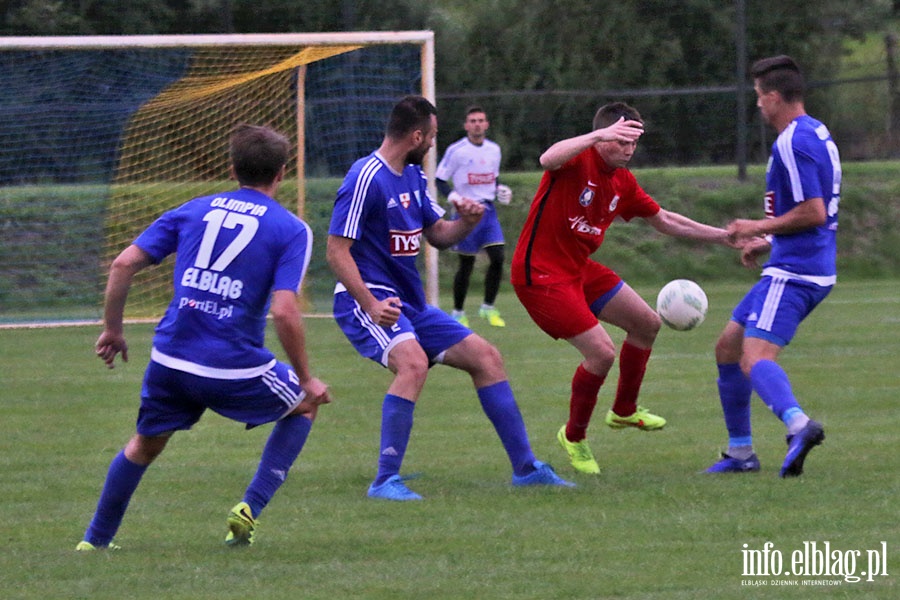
(101, 135)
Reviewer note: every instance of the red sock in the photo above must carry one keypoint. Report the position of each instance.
(585, 387)
(632, 365)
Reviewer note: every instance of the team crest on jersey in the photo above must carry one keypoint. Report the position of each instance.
(614, 203)
(405, 199)
(586, 197)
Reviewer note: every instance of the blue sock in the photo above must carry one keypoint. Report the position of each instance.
(281, 450)
(121, 481)
(772, 384)
(500, 406)
(396, 426)
(734, 394)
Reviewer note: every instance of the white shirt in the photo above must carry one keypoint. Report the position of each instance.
(472, 168)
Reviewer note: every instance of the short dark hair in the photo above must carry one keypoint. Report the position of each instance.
(610, 113)
(780, 74)
(409, 114)
(475, 109)
(258, 154)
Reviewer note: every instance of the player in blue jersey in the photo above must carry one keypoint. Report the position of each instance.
(239, 255)
(803, 187)
(472, 164)
(381, 212)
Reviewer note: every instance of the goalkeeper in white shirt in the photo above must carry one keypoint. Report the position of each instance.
(472, 164)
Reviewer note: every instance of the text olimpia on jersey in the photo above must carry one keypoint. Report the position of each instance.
(224, 276)
(385, 214)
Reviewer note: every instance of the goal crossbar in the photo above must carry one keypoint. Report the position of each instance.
(95, 42)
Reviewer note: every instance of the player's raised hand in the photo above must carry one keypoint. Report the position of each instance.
(621, 131)
(385, 313)
(108, 345)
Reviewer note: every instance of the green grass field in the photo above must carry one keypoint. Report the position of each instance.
(650, 526)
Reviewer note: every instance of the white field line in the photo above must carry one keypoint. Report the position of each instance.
(98, 322)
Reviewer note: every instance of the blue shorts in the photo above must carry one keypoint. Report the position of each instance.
(435, 330)
(172, 400)
(773, 309)
(487, 233)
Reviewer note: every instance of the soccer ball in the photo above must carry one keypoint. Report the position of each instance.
(681, 304)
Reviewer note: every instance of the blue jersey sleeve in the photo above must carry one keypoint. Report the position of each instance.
(431, 210)
(293, 263)
(807, 169)
(350, 203)
(161, 238)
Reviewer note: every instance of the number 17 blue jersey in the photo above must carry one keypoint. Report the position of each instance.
(232, 251)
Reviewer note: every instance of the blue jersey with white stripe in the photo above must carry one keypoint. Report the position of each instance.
(232, 251)
(385, 214)
(805, 164)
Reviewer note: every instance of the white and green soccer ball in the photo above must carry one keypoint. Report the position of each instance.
(682, 304)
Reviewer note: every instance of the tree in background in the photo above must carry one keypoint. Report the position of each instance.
(540, 49)
(540, 66)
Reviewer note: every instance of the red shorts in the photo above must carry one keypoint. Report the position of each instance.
(564, 310)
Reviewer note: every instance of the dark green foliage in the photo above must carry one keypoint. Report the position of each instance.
(542, 68)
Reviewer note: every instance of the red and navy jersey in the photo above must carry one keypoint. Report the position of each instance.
(386, 213)
(571, 211)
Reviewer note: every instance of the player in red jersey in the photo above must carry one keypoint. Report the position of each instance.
(585, 187)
